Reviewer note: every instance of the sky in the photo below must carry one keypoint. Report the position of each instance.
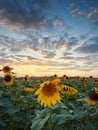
(47, 37)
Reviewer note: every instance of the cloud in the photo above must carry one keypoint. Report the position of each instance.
(87, 44)
(75, 11)
(4, 61)
(67, 58)
(92, 58)
(95, 21)
(93, 12)
(72, 41)
(58, 22)
(49, 54)
(93, 16)
(92, 48)
(25, 12)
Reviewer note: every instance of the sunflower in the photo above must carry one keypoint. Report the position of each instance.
(66, 78)
(6, 69)
(26, 78)
(77, 77)
(8, 79)
(90, 76)
(48, 93)
(68, 90)
(55, 76)
(95, 81)
(92, 98)
(85, 80)
(28, 89)
(37, 82)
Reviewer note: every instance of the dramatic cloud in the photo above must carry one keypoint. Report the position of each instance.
(57, 35)
(25, 12)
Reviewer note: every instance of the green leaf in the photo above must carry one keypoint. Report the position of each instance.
(61, 118)
(41, 113)
(90, 127)
(20, 116)
(1, 92)
(5, 103)
(38, 123)
(58, 128)
(11, 111)
(2, 123)
(62, 105)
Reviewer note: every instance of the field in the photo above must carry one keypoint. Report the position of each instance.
(20, 109)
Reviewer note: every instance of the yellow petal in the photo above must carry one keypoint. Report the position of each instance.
(55, 81)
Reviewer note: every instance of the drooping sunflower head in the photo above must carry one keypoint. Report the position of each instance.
(68, 90)
(26, 78)
(28, 89)
(48, 93)
(8, 79)
(92, 98)
(6, 69)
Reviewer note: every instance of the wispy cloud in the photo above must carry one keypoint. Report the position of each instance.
(75, 11)
(93, 12)
(93, 48)
(95, 21)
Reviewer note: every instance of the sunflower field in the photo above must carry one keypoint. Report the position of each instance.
(48, 103)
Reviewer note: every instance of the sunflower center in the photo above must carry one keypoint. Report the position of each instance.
(26, 78)
(6, 69)
(49, 89)
(7, 78)
(65, 89)
(94, 96)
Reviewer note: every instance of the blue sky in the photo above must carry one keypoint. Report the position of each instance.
(46, 37)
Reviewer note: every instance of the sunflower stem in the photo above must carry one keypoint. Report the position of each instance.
(49, 122)
(67, 97)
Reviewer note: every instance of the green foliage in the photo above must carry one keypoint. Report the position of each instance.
(19, 110)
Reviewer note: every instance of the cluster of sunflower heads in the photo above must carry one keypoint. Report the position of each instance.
(92, 98)
(8, 77)
(48, 93)
(66, 77)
